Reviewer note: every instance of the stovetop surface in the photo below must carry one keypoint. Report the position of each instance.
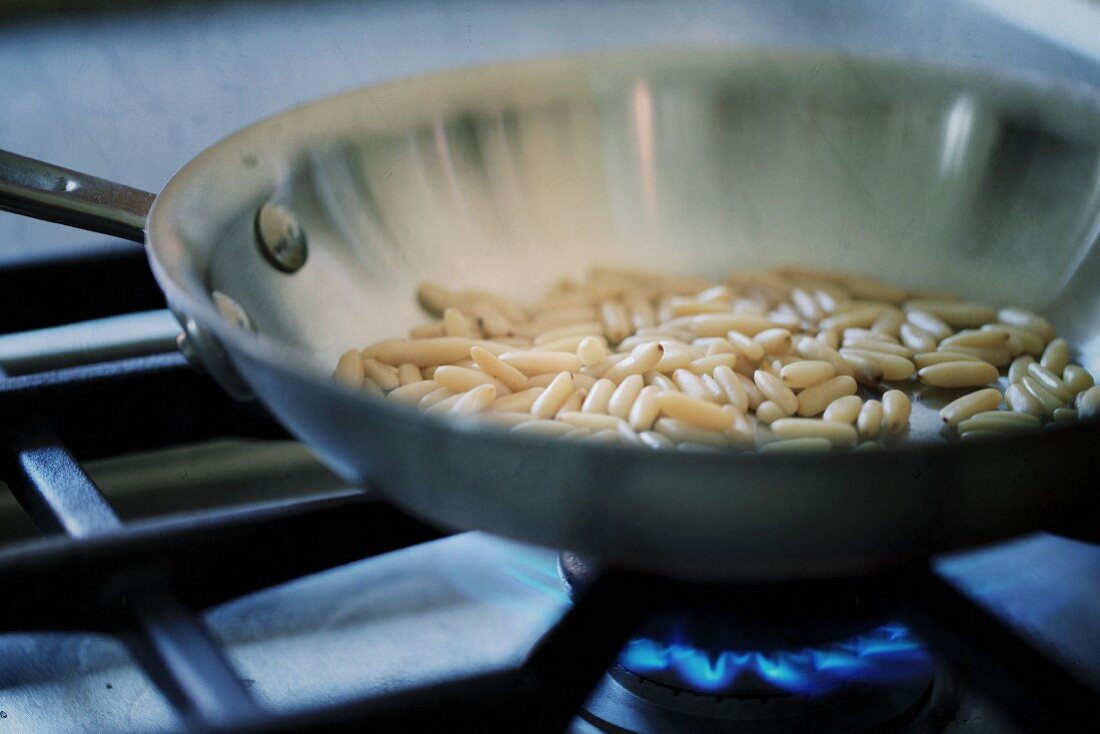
(457, 606)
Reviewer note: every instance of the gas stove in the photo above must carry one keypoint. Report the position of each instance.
(175, 562)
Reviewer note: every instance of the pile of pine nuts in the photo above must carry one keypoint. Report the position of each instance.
(776, 360)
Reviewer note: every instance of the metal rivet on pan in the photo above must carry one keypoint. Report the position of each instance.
(232, 311)
(281, 239)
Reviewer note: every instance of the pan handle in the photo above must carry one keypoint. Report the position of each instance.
(45, 191)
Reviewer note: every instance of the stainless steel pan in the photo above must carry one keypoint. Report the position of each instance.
(510, 177)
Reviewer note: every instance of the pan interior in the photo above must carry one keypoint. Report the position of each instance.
(509, 178)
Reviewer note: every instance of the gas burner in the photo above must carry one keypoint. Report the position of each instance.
(627, 703)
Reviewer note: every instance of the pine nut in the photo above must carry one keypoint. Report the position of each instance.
(476, 400)
(537, 363)
(655, 440)
(1001, 422)
(693, 410)
(553, 397)
(797, 445)
(642, 359)
(349, 370)
(598, 397)
(1065, 414)
(646, 408)
(844, 410)
(929, 322)
(1051, 382)
(895, 411)
(1028, 320)
(721, 324)
(683, 432)
(1021, 401)
(413, 392)
(774, 341)
(968, 405)
(927, 359)
(385, 375)
(493, 366)
(543, 428)
(893, 366)
(1077, 378)
(838, 434)
(421, 352)
(958, 314)
(870, 418)
(707, 365)
(728, 380)
(768, 412)
(773, 389)
(958, 374)
(591, 350)
(807, 373)
(917, 338)
(1018, 368)
(1049, 402)
(1056, 356)
(814, 400)
(591, 421)
(1088, 403)
(622, 400)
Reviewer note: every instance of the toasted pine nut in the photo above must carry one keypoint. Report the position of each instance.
(893, 366)
(968, 405)
(895, 411)
(476, 400)
(646, 408)
(813, 400)
(844, 410)
(537, 363)
(839, 434)
(1020, 400)
(1088, 403)
(421, 352)
(553, 397)
(693, 410)
(958, 374)
(807, 373)
(385, 375)
(682, 432)
(349, 370)
(870, 417)
(591, 351)
(773, 389)
(1077, 378)
(642, 359)
(1028, 320)
(622, 400)
(1051, 382)
(795, 445)
(1056, 356)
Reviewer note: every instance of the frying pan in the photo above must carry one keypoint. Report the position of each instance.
(512, 176)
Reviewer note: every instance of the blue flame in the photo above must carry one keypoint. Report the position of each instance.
(887, 653)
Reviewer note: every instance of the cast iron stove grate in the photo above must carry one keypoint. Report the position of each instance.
(147, 581)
